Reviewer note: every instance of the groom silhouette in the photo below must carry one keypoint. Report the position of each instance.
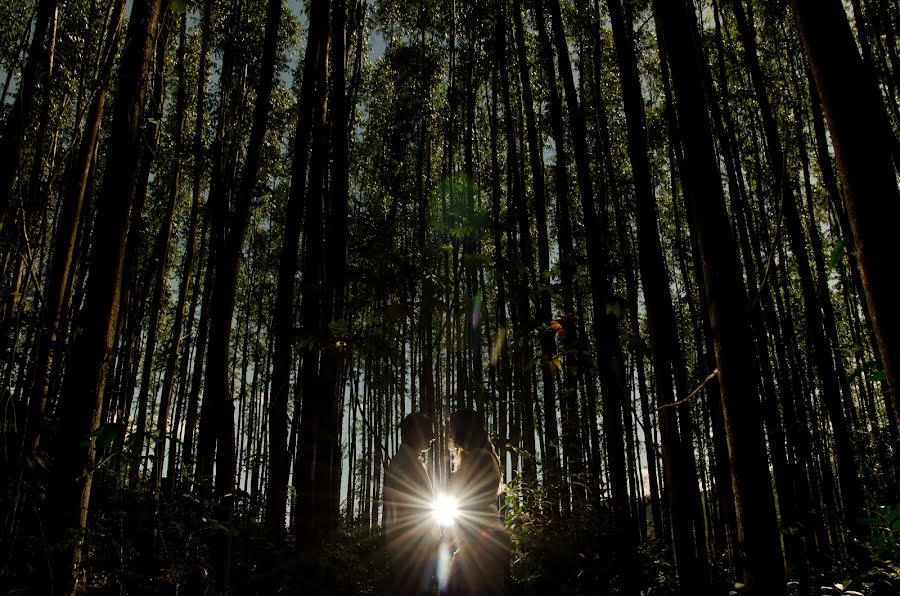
(411, 533)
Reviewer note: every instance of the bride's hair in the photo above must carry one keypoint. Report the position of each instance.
(467, 432)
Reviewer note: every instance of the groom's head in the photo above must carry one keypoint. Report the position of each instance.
(416, 431)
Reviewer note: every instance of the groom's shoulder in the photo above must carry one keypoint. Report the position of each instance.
(403, 457)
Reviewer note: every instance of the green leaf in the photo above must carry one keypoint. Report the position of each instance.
(98, 433)
(84, 442)
(179, 6)
(616, 309)
(877, 376)
(840, 249)
(339, 328)
(108, 434)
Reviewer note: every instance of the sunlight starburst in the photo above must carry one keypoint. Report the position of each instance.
(445, 509)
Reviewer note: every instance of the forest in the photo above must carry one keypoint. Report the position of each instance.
(652, 242)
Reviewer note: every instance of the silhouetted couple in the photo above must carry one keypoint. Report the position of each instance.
(476, 533)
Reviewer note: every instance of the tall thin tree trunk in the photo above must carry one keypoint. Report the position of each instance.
(519, 282)
(553, 477)
(62, 259)
(328, 448)
(726, 301)
(863, 145)
(161, 247)
(825, 365)
(162, 252)
(660, 316)
(284, 324)
(187, 266)
(305, 524)
(228, 256)
(20, 111)
(84, 383)
(606, 329)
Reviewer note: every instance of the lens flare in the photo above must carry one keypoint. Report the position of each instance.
(445, 510)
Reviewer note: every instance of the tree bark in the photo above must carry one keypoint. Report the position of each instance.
(83, 386)
(187, 266)
(660, 316)
(863, 145)
(63, 257)
(284, 324)
(228, 255)
(156, 269)
(606, 328)
(20, 111)
(826, 367)
(162, 254)
(727, 304)
(552, 474)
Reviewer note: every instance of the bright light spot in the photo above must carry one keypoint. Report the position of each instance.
(443, 566)
(445, 510)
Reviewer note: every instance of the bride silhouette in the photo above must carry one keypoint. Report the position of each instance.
(483, 547)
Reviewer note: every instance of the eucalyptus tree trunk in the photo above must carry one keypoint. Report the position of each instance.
(426, 374)
(519, 276)
(724, 130)
(472, 371)
(689, 548)
(549, 369)
(863, 145)
(573, 352)
(284, 323)
(606, 327)
(84, 382)
(830, 381)
(187, 266)
(311, 307)
(233, 230)
(137, 275)
(192, 410)
(328, 442)
(156, 269)
(63, 255)
(727, 304)
(854, 265)
(500, 355)
(161, 250)
(20, 111)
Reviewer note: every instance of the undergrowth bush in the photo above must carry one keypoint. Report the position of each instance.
(135, 544)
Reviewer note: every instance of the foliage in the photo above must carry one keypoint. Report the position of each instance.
(438, 285)
(575, 554)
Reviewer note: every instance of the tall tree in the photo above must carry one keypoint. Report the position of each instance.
(284, 323)
(763, 566)
(62, 257)
(161, 250)
(610, 361)
(306, 526)
(190, 254)
(156, 270)
(831, 373)
(677, 450)
(863, 146)
(20, 112)
(331, 395)
(553, 477)
(233, 221)
(83, 386)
